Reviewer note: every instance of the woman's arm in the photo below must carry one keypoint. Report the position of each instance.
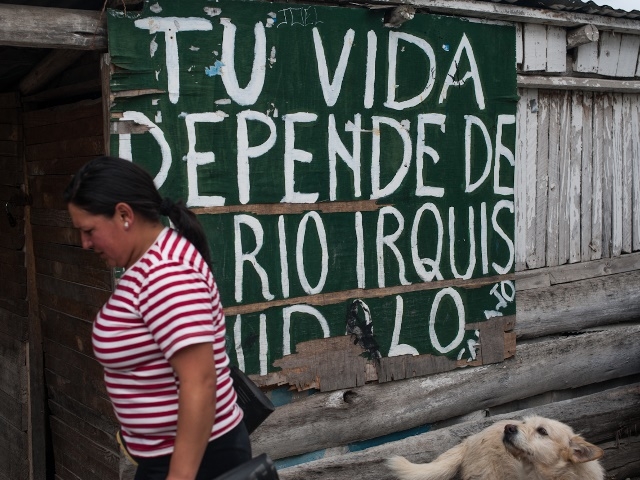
(196, 371)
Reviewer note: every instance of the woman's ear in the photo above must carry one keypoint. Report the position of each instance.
(124, 215)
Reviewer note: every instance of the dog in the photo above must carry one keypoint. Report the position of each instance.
(535, 448)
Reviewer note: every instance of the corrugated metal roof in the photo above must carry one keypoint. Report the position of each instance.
(577, 6)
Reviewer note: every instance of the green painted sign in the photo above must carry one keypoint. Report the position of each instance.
(330, 158)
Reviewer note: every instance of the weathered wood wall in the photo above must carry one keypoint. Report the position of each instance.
(578, 273)
(72, 283)
(14, 309)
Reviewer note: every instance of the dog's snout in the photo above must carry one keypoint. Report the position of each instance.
(510, 429)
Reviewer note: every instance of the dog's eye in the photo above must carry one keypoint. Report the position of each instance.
(542, 431)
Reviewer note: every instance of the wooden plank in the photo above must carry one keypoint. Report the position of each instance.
(48, 191)
(25, 26)
(516, 13)
(628, 61)
(519, 45)
(57, 166)
(535, 47)
(12, 412)
(10, 100)
(63, 113)
(78, 147)
(99, 278)
(11, 168)
(82, 455)
(564, 161)
(66, 305)
(67, 91)
(597, 417)
(577, 305)
(73, 255)
(577, 83)
(575, 174)
(616, 187)
(597, 177)
(96, 428)
(9, 132)
(548, 276)
(587, 174)
(77, 128)
(530, 178)
(519, 180)
(635, 146)
(542, 179)
(90, 296)
(13, 325)
(586, 60)
(13, 445)
(11, 257)
(52, 218)
(556, 50)
(609, 54)
(607, 177)
(64, 236)
(551, 361)
(48, 68)
(553, 203)
(67, 330)
(622, 456)
(627, 178)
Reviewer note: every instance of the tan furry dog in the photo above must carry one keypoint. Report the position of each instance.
(536, 448)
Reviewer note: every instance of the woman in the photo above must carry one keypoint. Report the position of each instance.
(161, 335)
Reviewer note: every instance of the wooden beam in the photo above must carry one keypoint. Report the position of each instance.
(599, 417)
(511, 13)
(45, 27)
(332, 419)
(575, 83)
(53, 64)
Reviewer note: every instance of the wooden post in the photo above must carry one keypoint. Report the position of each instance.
(581, 36)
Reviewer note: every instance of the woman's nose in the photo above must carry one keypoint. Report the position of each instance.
(86, 242)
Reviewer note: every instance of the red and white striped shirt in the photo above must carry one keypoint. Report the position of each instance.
(166, 301)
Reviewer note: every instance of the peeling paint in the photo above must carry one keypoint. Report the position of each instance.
(214, 69)
(153, 46)
(212, 11)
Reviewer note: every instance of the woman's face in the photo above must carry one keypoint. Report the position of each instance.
(104, 235)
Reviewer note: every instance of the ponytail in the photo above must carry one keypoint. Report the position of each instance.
(104, 182)
(187, 224)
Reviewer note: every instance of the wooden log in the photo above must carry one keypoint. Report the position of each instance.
(24, 26)
(597, 416)
(327, 420)
(581, 36)
(578, 305)
(576, 83)
(54, 63)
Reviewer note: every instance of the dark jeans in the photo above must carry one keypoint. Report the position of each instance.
(221, 455)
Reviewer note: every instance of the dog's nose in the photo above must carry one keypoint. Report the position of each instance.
(510, 429)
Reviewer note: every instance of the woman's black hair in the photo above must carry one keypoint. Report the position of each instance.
(104, 182)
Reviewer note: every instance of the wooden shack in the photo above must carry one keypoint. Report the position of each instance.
(562, 344)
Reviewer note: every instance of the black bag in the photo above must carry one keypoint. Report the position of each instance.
(258, 468)
(254, 403)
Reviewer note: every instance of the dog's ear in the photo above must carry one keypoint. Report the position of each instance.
(583, 451)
